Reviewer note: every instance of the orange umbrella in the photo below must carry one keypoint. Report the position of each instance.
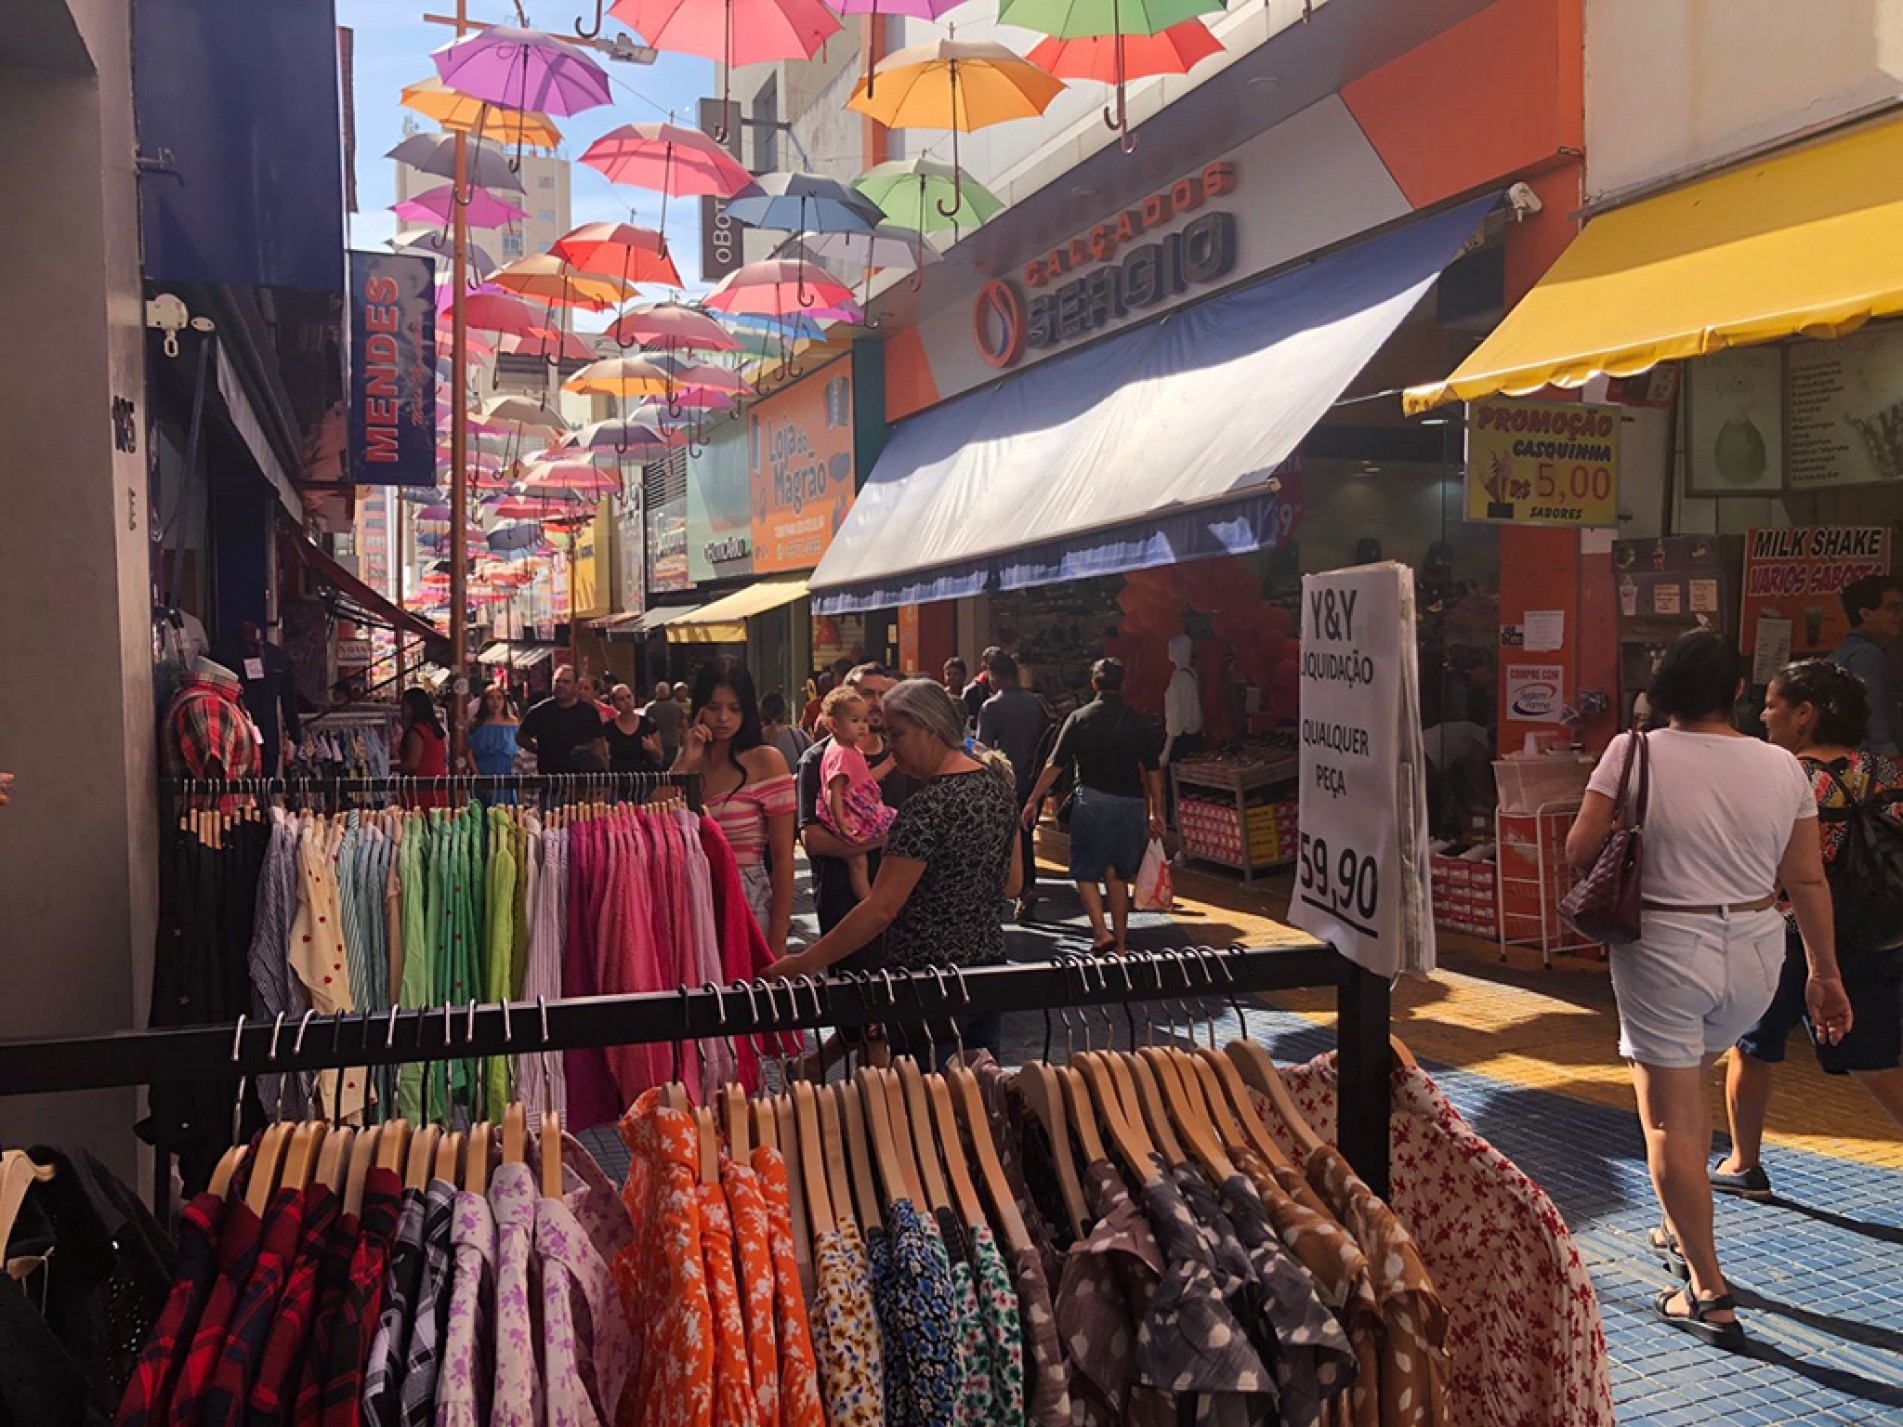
(622, 251)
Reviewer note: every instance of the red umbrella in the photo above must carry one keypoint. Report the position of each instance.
(776, 287)
(502, 312)
(572, 475)
(1176, 50)
(668, 159)
(622, 251)
(557, 346)
(731, 32)
(673, 326)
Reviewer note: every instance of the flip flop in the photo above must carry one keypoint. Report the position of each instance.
(1697, 1320)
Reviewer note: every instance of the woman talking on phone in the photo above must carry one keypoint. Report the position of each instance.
(746, 788)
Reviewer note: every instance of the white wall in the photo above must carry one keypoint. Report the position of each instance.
(1673, 85)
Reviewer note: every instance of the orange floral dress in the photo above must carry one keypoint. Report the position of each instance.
(734, 1404)
(661, 1276)
(799, 1367)
(747, 1205)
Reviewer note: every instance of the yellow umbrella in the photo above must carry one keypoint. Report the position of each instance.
(619, 376)
(959, 85)
(553, 281)
(432, 99)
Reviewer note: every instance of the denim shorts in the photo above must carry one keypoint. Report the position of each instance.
(1692, 983)
(1875, 1041)
(1108, 836)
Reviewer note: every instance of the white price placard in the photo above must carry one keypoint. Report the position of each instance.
(1362, 872)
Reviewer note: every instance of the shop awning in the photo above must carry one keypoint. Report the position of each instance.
(377, 608)
(1803, 243)
(724, 620)
(1153, 447)
(517, 653)
(662, 616)
(608, 624)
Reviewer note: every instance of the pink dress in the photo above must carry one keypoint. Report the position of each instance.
(867, 816)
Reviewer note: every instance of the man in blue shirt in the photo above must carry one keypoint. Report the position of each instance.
(1875, 607)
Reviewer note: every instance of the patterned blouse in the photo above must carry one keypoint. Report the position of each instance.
(799, 1373)
(963, 827)
(846, 1332)
(469, 1347)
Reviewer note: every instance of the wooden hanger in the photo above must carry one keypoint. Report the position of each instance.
(421, 1159)
(831, 1103)
(1083, 1118)
(19, 1172)
(515, 1133)
(1255, 1131)
(1155, 1110)
(877, 1117)
(264, 1172)
(551, 1142)
(1043, 1091)
(476, 1162)
(449, 1155)
(227, 1169)
(809, 1141)
(1191, 1114)
(333, 1161)
(707, 1136)
(1258, 1071)
(918, 1115)
(736, 1119)
(363, 1154)
(952, 1148)
(1403, 1057)
(969, 1100)
(1131, 1145)
(300, 1157)
(393, 1144)
(766, 1115)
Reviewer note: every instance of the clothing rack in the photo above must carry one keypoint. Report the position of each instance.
(123, 1059)
(333, 792)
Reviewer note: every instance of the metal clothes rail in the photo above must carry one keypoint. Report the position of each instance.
(333, 792)
(133, 1058)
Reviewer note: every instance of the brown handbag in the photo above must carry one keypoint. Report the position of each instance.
(1605, 903)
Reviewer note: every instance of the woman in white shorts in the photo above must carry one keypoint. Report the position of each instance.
(1729, 819)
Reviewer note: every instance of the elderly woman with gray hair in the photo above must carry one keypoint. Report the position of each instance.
(948, 867)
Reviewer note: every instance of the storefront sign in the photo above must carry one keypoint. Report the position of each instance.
(1542, 463)
(720, 246)
(1536, 693)
(1844, 410)
(1101, 277)
(667, 546)
(630, 554)
(1362, 873)
(352, 653)
(800, 450)
(392, 370)
(719, 507)
(1735, 422)
(1795, 577)
(586, 588)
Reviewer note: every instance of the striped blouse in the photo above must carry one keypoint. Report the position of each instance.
(742, 815)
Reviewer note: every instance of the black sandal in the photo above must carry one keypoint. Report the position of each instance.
(1664, 1246)
(1697, 1321)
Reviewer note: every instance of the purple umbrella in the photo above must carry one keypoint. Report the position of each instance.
(433, 512)
(433, 206)
(908, 9)
(523, 69)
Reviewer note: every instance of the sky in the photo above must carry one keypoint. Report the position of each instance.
(393, 47)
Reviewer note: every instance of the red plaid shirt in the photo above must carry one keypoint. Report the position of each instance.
(332, 1391)
(275, 1384)
(237, 1252)
(251, 1320)
(207, 723)
(149, 1392)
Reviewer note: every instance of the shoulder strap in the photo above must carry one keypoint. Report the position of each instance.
(1635, 752)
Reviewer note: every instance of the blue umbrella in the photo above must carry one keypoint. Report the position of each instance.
(806, 203)
(525, 536)
(796, 326)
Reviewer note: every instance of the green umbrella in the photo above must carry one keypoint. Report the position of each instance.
(911, 190)
(1084, 19)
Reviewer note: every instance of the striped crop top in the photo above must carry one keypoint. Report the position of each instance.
(742, 815)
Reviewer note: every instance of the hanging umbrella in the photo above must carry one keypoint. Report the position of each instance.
(775, 287)
(433, 512)
(459, 113)
(670, 160)
(550, 346)
(959, 85)
(623, 251)
(887, 246)
(805, 203)
(905, 9)
(431, 243)
(483, 210)
(550, 280)
(1118, 42)
(520, 411)
(731, 32)
(579, 476)
(617, 437)
(524, 69)
(913, 193)
(486, 164)
(673, 326)
(795, 326)
(620, 376)
(501, 312)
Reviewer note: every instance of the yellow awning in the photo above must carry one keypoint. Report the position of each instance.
(1806, 242)
(724, 620)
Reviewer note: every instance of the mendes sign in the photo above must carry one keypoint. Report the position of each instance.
(1115, 269)
(1542, 463)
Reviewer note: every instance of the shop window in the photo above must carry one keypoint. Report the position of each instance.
(765, 113)
(512, 245)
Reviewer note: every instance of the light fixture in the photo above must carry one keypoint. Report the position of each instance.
(1433, 421)
(1265, 83)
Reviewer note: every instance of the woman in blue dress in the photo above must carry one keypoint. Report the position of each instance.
(492, 746)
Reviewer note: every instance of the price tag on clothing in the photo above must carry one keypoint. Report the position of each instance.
(254, 668)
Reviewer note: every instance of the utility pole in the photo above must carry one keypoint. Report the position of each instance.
(459, 443)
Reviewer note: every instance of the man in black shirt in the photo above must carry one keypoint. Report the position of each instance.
(825, 849)
(1118, 806)
(556, 729)
(1013, 721)
(980, 689)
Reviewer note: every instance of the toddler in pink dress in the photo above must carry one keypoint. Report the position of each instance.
(853, 807)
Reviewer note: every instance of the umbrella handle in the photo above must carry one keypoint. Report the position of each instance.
(958, 174)
(590, 34)
(674, 405)
(719, 135)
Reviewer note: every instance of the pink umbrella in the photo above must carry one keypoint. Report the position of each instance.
(559, 346)
(776, 287)
(523, 69)
(673, 326)
(485, 210)
(907, 9)
(581, 476)
(503, 313)
(668, 159)
(731, 32)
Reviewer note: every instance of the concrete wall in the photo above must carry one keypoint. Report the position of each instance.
(1672, 85)
(77, 847)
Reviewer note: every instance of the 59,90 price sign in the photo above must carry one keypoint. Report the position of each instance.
(1345, 882)
(1542, 463)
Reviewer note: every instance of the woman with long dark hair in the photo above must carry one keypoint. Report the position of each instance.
(1727, 821)
(746, 788)
(422, 752)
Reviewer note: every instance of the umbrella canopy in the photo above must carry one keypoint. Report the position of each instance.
(887, 246)
(616, 435)
(433, 512)
(524, 69)
(796, 326)
(520, 411)
(622, 251)
(683, 163)
(1114, 41)
(959, 85)
(430, 242)
(913, 191)
(908, 9)
(488, 164)
(1075, 19)
(775, 287)
(550, 346)
(731, 32)
(805, 203)
(548, 279)
(502, 312)
(582, 477)
(460, 113)
(525, 536)
(620, 376)
(484, 209)
(673, 326)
